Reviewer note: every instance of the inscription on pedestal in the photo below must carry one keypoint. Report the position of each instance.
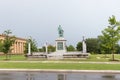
(60, 45)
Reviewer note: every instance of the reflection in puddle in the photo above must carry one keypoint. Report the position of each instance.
(61, 77)
(57, 76)
(30, 77)
(108, 76)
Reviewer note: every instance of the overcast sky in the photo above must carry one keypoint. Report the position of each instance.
(41, 18)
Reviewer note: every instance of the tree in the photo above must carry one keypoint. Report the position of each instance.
(43, 49)
(40, 50)
(92, 45)
(104, 44)
(51, 48)
(33, 46)
(8, 42)
(1, 46)
(117, 49)
(110, 36)
(79, 46)
(70, 48)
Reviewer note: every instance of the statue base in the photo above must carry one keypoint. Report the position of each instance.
(60, 45)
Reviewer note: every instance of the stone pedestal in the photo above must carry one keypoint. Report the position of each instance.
(84, 47)
(84, 50)
(29, 48)
(60, 45)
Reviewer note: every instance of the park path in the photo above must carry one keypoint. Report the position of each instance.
(61, 71)
(89, 62)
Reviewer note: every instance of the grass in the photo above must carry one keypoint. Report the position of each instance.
(75, 66)
(93, 57)
(13, 57)
(24, 63)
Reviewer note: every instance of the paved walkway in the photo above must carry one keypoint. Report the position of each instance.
(62, 71)
(66, 62)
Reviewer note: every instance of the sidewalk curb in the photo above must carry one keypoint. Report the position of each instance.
(61, 71)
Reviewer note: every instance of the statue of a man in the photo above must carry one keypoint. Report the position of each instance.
(60, 31)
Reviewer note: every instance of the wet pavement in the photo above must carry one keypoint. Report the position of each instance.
(39, 75)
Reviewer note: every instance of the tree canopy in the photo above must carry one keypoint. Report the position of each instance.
(92, 45)
(33, 45)
(110, 36)
(8, 42)
(70, 48)
(79, 46)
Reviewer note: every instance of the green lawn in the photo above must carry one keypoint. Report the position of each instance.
(13, 57)
(93, 57)
(75, 66)
(24, 63)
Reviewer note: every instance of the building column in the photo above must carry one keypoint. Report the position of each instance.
(19, 47)
(24, 46)
(15, 47)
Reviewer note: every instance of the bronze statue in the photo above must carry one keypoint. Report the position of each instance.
(60, 31)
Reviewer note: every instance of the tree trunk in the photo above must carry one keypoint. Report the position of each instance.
(113, 56)
(6, 56)
(9, 55)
